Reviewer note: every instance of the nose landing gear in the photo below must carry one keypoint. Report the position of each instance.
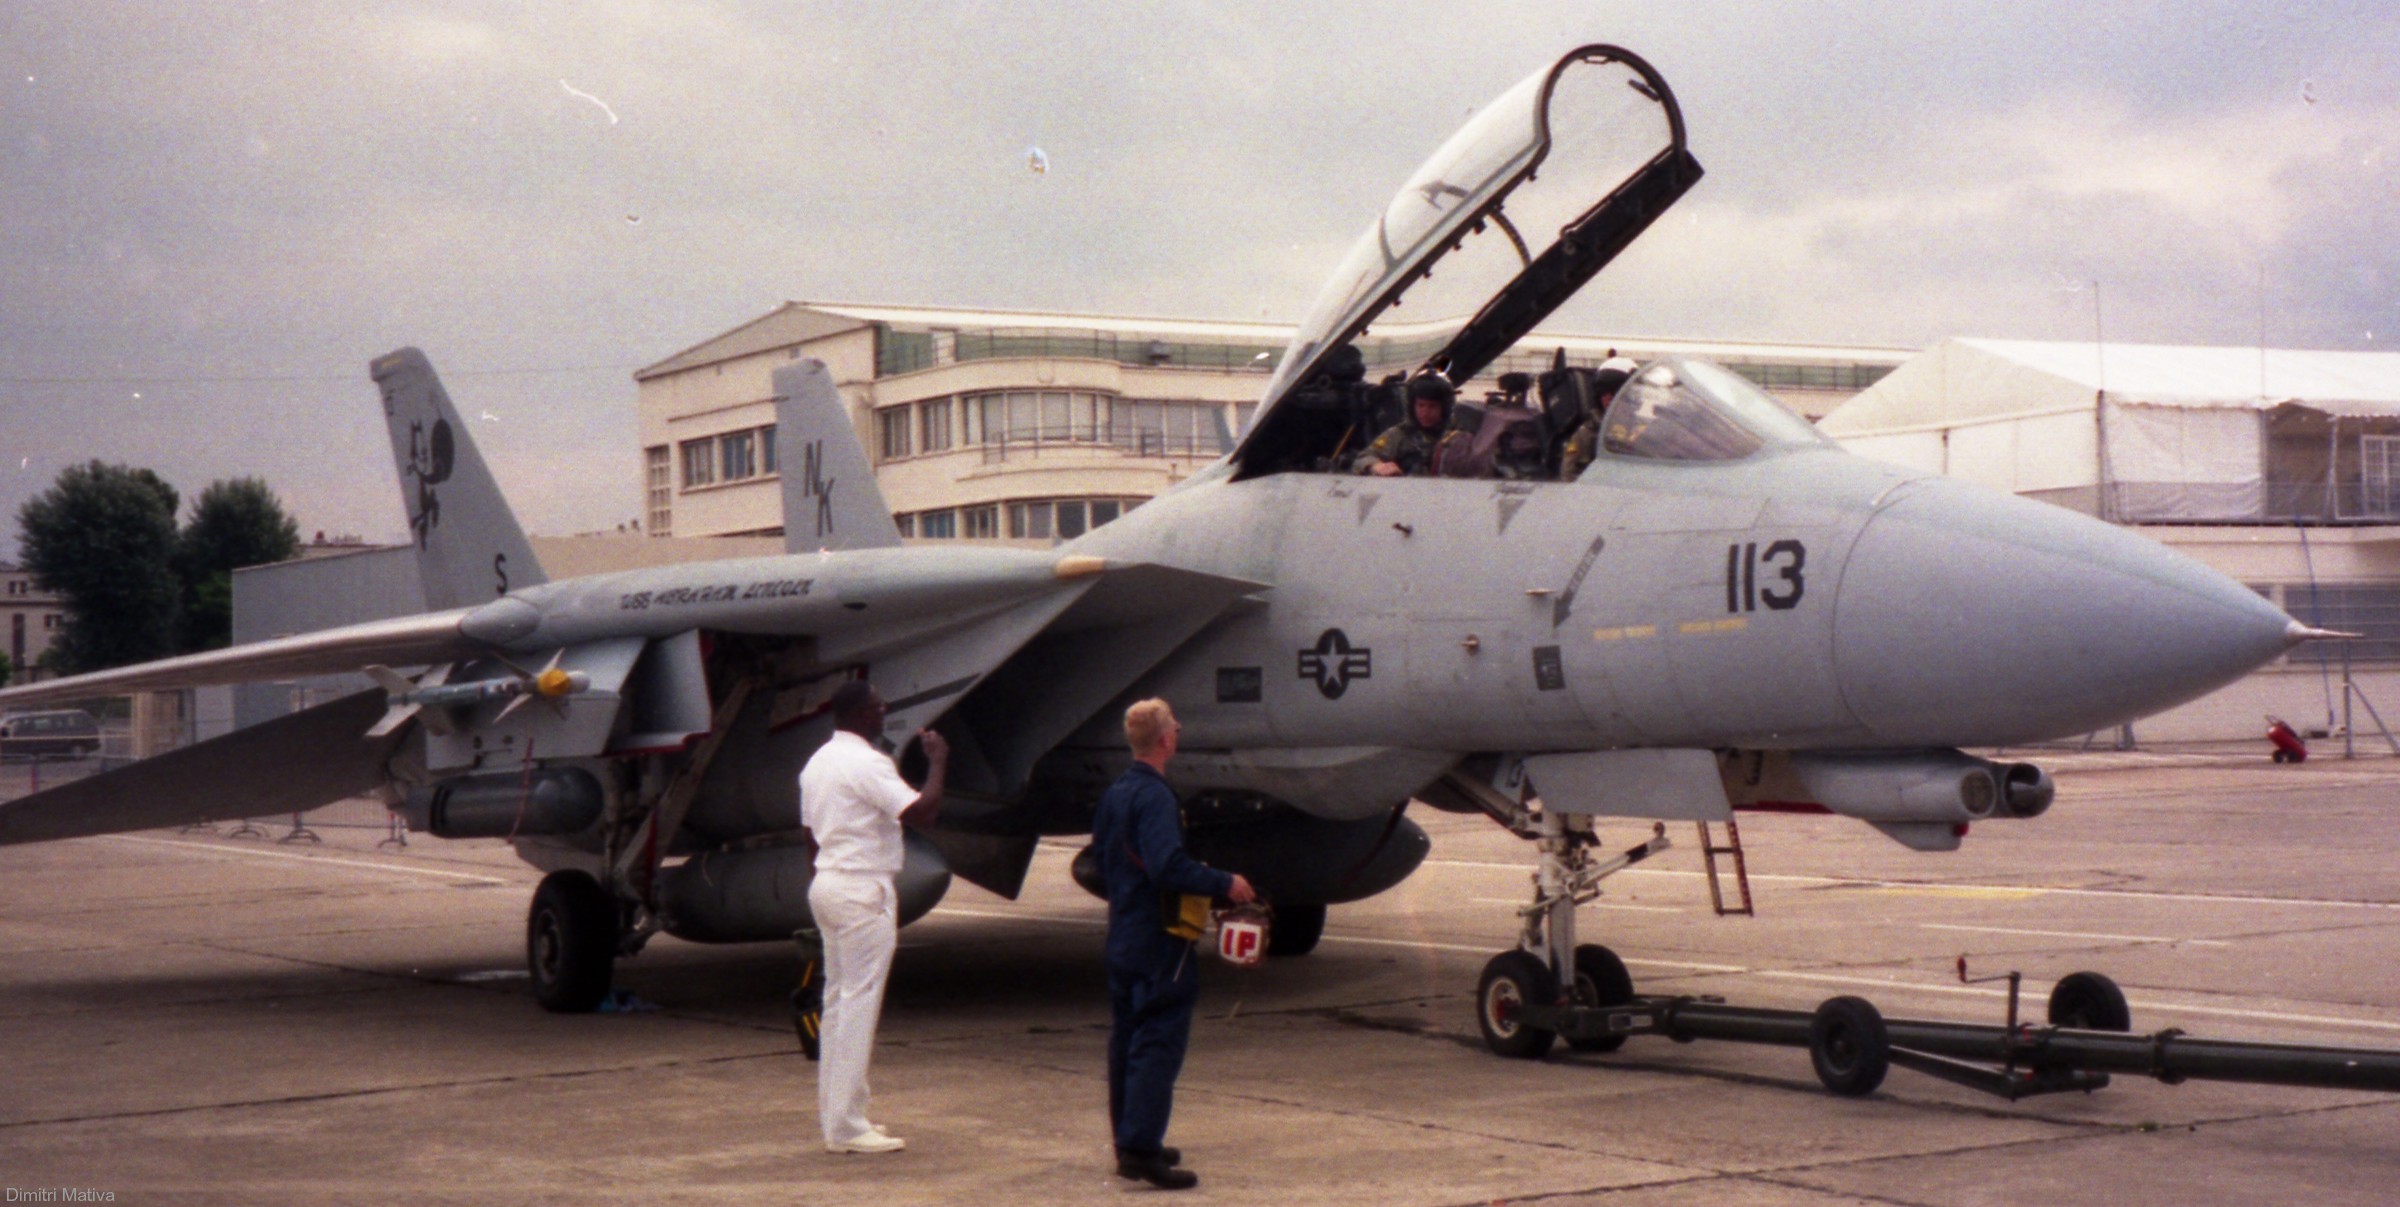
(1550, 986)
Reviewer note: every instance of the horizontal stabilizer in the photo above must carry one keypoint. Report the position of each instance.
(830, 500)
(288, 765)
(408, 641)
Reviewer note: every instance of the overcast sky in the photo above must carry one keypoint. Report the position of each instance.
(214, 214)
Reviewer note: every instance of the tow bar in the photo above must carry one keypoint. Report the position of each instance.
(1853, 1045)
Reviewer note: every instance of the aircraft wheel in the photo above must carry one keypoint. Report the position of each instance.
(571, 942)
(1600, 980)
(2088, 1001)
(1849, 1046)
(1510, 981)
(1295, 930)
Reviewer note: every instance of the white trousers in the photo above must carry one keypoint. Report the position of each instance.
(859, 916)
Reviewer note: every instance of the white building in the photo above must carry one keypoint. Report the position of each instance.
(29, 620)
(1025, 427)
(2280, 468)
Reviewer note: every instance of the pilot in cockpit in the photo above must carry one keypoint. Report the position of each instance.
(1408, 447)
(1584, 445)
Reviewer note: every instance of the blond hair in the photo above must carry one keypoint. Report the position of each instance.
(1146, 724)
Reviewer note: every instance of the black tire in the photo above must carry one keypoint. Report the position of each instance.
(571, 942)
(1600, 980)
(1849, 1045)
(1511, 980)
(1295, 929)
(2088, 1001)
(2281, 756)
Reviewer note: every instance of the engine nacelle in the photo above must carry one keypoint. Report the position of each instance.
(760, 894)
(1290, 856)
(552, 800)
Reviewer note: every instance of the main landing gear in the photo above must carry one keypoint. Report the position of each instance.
(571, 942)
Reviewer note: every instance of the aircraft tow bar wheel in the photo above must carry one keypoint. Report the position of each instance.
(1600, 980)
(571, 942)
(1511, 980)
(1849, 1045)
(1296, 931)
(2088, 1001)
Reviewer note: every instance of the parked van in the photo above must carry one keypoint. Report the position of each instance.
(62, 733)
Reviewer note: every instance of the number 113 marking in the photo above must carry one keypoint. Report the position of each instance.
(1783, 562)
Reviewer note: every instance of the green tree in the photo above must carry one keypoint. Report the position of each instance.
(103, 538)
(236, 522)
(8, 669)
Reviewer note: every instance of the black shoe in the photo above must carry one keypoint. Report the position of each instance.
(1156, 1170)
(1166, 1152)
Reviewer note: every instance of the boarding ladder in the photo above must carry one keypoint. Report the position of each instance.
(1732, 846)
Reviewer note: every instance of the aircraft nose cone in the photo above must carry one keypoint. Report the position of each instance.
(1967, 617)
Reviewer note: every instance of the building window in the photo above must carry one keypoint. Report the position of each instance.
(980, 523)
(1039, 519)
(933, 422)
(738, 451)
(937, 525)
(658, 480)
(893, 426)
(50, 620)
(1029, 521)
(2369, 609)
(766, 452)
(2379, 475)
(699, 462)
(16, 586)
(1038, 417)
(906, 524)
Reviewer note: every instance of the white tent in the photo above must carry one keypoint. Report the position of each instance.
(2143, 432)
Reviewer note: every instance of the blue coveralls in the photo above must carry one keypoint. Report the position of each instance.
(1153, 978)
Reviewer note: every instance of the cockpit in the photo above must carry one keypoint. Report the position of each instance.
(1693, 410)
(1517, 211)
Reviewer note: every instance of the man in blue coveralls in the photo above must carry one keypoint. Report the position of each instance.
(1153, 978)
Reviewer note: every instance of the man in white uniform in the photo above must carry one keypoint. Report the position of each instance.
(854, 802)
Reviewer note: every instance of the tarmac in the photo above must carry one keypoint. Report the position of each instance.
(199, 1018)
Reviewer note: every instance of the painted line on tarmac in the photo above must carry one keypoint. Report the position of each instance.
(2278, 1016)
(2073, 934)
(1638, 909)
(1963, 887)
(1485, 949)
(954, 911)
(213, 849)
(1821, 978)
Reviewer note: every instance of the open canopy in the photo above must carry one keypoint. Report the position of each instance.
(1519, 209)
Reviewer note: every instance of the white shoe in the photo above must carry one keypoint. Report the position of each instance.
(867, 1142)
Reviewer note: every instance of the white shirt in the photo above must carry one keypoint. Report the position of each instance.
(851, 796)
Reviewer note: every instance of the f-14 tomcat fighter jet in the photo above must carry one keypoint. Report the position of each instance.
(1723, 610)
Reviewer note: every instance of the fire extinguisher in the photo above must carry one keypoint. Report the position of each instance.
(2289, 748)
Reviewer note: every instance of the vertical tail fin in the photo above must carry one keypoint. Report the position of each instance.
(830, 500)
(469, 547)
